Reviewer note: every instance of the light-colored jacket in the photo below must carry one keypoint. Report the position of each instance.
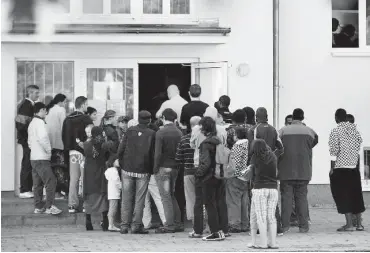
(176, 103)
(38, 140)
(54, 124)
(114, 183)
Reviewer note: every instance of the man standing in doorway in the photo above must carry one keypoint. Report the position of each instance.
(166, 172)
(23, 119)
(194, 108)
(295, 169)
(73, 136)
(175, 102)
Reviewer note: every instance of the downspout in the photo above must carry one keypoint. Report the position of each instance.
(276, 83)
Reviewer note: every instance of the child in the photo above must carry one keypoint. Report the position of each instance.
(42, 174)
(264, 195)
(114, 194)
(237, 198)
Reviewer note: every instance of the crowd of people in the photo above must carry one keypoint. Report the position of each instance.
(227, 166)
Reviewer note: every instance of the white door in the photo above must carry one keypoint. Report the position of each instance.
(110, 85)
(213, 78)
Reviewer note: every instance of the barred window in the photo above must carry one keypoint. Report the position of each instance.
(153, 6)
(180, 6)
(120, 6)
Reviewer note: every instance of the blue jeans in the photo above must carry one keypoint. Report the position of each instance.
(166, 181)
(134, 190)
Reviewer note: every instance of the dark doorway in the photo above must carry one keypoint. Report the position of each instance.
(154, 80)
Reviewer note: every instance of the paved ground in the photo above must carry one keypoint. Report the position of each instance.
(322, 237)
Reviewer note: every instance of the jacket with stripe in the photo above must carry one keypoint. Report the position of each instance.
(22, 121)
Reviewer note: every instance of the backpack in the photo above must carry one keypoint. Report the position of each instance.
(223, 167)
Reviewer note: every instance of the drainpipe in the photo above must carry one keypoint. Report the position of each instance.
(276, 86)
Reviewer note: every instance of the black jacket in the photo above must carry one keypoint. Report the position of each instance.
(136, 151)
(23, 119)
(207, 158)
(74, 128)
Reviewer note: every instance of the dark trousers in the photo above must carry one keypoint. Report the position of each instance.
(26, 170)
(298, 190)
(180, 193)
(214, 193)
(42, 174)
(198, 225)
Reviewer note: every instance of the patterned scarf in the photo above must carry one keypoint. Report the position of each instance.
(97, 142)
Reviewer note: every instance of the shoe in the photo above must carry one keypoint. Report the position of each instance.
(195, 235)
(58, 196)
(104, 226)
(346, 229)
(304, 230)
(226, 234)
(89, 226)
(72, 209)
(124, 230)
(141, 231)
(164, 230)
(53, 210)
(26, 195)
(114, 229)
(360, 228)
(39, 210)
(213, 237)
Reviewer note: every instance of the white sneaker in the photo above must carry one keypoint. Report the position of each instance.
(114, 229)
(26, 195)
(53, 210)
(39, 210)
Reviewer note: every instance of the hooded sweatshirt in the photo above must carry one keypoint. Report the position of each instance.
(264, 172)
(207, 159)
(74, 128)
(344, 145)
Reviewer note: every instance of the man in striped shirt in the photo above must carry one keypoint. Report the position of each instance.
(185, 161)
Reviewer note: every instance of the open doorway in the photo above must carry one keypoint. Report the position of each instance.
(154, 80)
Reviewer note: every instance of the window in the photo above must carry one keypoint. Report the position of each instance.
(92, 6)
(180, 6)
(153, 6)
(120, 6)
(51, 77)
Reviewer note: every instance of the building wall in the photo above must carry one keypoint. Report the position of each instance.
(247, 43)
(318, 82)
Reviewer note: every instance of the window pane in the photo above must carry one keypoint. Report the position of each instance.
(152, 7)
(120, 6)
(92, 6)
(66, 5)
(21, 81)
(368, 22)
(345, 20)
(180, 6)
(58, 79)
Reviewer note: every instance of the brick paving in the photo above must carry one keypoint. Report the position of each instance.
(322, 237)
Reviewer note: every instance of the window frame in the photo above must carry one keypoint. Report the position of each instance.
(136, 15)
(363, 49)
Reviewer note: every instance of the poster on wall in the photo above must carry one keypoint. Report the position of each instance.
(345, 23)
(117, 105)
(100, 90)
(115, 90)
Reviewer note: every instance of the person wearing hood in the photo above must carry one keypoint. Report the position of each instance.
(136, 159)
(73, 136)
(295, 169)
(213, 188)
(197, 137)
(264, 195)
(344, 146)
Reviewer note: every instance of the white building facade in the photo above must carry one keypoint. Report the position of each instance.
(225, 46)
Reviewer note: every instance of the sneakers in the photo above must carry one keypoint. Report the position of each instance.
(124, 230)
(72, 209)
(26, 195)
(113, 229)
(53, 210)
(58, 196)
(39, 210)
(219, 236)
(195, 235)
(164, 230)
(141, 231)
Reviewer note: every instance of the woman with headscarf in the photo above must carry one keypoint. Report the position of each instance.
(264, 195)
(54, 124)
(97, 160)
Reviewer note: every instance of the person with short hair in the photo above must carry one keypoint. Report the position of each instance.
(295, 170)
(185, 161)
(136, 159)
(24, 116)
(108, 123)
(122, 126)
(92, 112)
(166, 172)
(222, 106)
(237, 198)
(288, 120)
(174, 102)
(73, 136)
(42, 174)
(250, 118)
(344, 146)
(195, 107)
(238, 119)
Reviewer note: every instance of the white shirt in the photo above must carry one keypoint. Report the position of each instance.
(176, 103)
(38, 140)
(54, 124)
(114, 183)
